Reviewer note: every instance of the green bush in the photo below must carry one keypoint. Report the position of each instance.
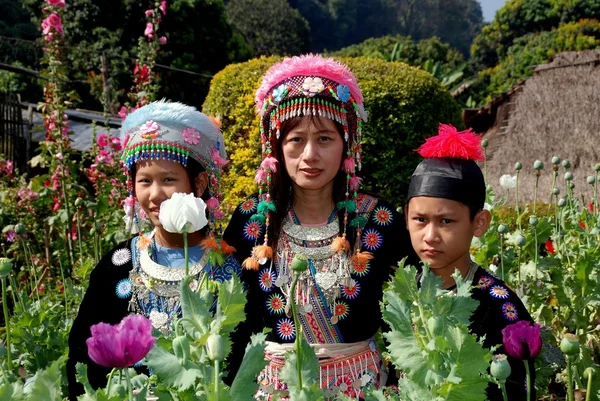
(405, 105)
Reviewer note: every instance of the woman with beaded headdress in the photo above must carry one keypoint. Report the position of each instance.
(309, 206)
(169, 148)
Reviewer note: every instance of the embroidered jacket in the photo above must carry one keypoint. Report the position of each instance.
(498, 307)
(354, 316)
(116, 289)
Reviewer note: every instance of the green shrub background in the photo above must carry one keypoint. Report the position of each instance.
(405, 106)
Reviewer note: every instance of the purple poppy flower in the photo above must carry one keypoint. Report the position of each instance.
(521, 340)
(121, 345)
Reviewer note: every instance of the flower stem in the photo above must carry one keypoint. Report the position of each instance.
(110, 376)
(529, 384)
(62, 276)
(7, 323)
(129, 387)
(298, 332)
(517, 201)
(79, 238)
(216, 380)
(185, 254)
(503, 387)
(502, 256)
(535, 192)
(570, 394)
(588, 392)
(535, 256)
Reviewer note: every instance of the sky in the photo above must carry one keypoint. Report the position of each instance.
(489, 8)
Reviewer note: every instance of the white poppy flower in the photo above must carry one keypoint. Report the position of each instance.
(183, 213)
(493, 268)
(508, 181)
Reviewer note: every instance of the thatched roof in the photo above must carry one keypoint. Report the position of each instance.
(555, 112)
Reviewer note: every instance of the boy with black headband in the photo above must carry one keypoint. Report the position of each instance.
(444, 211)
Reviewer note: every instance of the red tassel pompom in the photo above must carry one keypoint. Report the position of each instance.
(451, 143)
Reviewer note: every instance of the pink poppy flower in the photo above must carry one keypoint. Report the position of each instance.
(522, 341)
(121, 345)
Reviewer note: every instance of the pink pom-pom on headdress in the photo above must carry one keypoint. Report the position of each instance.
(260, 176)
(219, 161)
(349, 165)
(309, 65)
(451, 143)
(269, 163)
(354, 183)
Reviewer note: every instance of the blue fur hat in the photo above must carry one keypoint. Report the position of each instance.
(172, 131)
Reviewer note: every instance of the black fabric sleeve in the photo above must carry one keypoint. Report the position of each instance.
(100, 304)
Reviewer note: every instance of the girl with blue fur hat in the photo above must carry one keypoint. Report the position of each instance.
(168, 148)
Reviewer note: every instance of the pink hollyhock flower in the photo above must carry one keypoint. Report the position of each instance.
(163, 40)
(522, 341)
(59, 156)
(149, 31)
(121, 345)
(56, 205)
(129, 201)
(212, 203)
(115, 143)
(102, 140)
(52, 21)
(8, 167)
(191, 136)
(149, 13)
(123, 112)
(58, 3)
(163, 7)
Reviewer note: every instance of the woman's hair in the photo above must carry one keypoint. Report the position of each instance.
(282, 193)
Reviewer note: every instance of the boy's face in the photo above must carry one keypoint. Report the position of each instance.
(441, 231)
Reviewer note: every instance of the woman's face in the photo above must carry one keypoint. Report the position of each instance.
(312, 153)
(156, 181)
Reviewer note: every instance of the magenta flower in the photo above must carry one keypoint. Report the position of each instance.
(522, 341)
(149, 31)
(58, 3)
(163, 7)
(163, 40)
(122, 345)
(102, 140)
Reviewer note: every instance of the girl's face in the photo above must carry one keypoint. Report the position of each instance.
(312, 153)
(156, 181)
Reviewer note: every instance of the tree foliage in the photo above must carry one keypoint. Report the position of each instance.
(199, 39)
(272, 27)
(404, 49)
(518, 18)
(339, 23)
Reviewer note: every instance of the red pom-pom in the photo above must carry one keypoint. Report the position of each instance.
(451, 143)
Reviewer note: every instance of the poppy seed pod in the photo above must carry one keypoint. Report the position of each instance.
(518, 166)
(569, 345)
(500, 367)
